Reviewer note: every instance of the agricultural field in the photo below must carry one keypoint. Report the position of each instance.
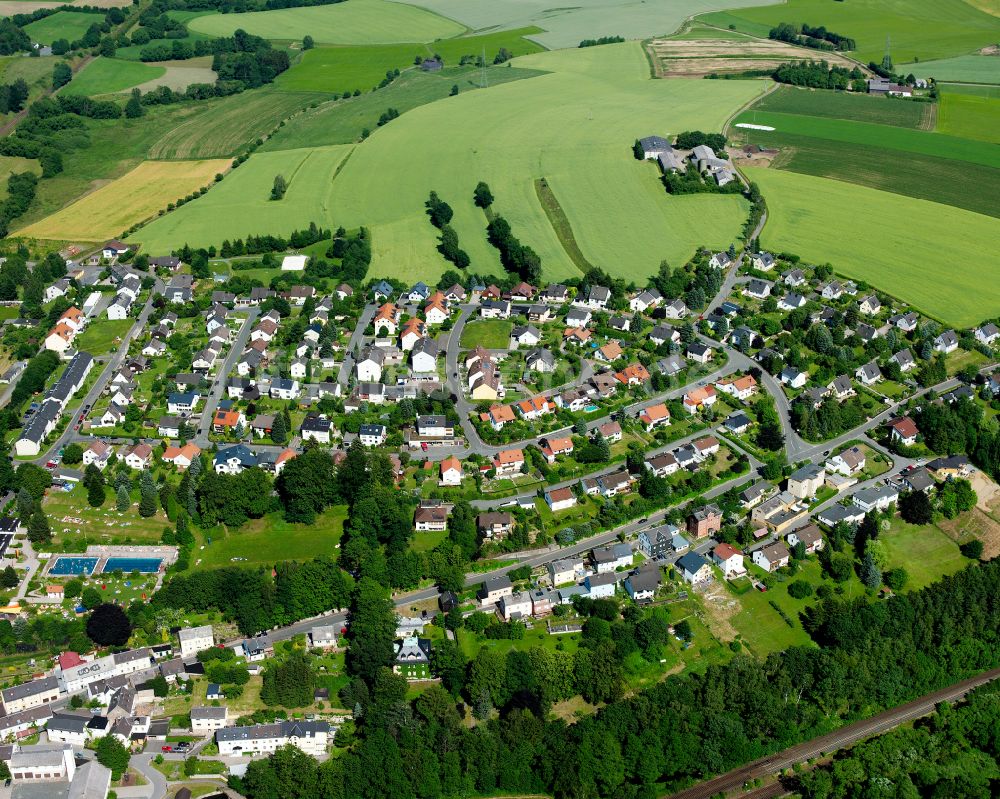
(920, 30)
(970, 116)
(847, 105)
(130, 199)
(972, 89)
(225, 126)
(971, 68)
(110, 75)
(181, 74)
(342, 122)
(679, 58)
(357, 22)
(341, 69)
(241, 203)
(69, 25)
(949, 280)
(574, 127)
(566, 26)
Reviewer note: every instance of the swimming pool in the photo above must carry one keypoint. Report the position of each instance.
(142, 565)
(64, 566)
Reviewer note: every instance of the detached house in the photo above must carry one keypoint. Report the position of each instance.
(772, 557)
(655, 416)
(903, 430)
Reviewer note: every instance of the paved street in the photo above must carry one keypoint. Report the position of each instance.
(222, 376)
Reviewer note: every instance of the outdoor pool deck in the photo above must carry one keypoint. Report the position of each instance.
(107, 559)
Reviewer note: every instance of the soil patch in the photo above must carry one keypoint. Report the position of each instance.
(974, 524)
(720, 607)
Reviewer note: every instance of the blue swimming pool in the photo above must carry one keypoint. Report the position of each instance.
(64, 566)
(142, 565)
(592, 408)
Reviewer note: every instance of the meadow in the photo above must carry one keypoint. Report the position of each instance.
(845, 105)
(925, 253)
(340, 69)
(926, 552)
(223, 127)
(69, 25)
(566, 26)
(109, 75)
(101, 336)
(11, 165)
(971, 68)
(240, 204)
(574, 127)
(357, 22)
(342, 122)
(111, 209)
(927, 177)
(969, 116)
(971, 89)
(918, 29)
(886, 136)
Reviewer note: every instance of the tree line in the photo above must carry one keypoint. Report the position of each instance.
(817, 38)
(514, 256)
(440, 214)
(816, 75)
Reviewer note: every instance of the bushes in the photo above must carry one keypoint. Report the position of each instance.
(514, 256)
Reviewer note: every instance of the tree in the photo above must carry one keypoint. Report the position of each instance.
(9, 578)
(122, 499)
(800, 589)
(972, 549)
(134, 108)
(279, 430)
(307, 43)
(25, 503)
(372, 630)
(112, 754)
(289, 683)
(482, 195)
(90, 598)
(61, 75)
(915, 508)
(870, 575)
(39, 531)
(72, 454)
(896, 578)
(279, 187)
(147, 496)
(96, 491)
(108, 625)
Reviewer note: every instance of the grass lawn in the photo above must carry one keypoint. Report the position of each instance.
(494, 334)
(103, 525)
(107, 75)
(272, 539)
(808, 213)
(925, 552)
(537, 636)
(100, 337)
(138, 195)
(426, 541)
(357, 22)
(593, 105)
(844, 105)
(920, 29)
(69, 25)
(760, 625)
(969, 116)
(959, 359)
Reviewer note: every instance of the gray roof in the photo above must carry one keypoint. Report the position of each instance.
(27, 689)
(209, 713)
(283, 729)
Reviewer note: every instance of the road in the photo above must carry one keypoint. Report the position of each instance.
(344, 376)
(843, 738)
(222, 377)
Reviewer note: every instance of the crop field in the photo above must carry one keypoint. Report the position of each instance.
(679, 58)
(224, 127)
(69, 25)
(970, 116)
(919, 29)
(109, 75)
(240, 204)
(927, 177)
(971, 89)
(846, 105)
(357, 22)
(891, 138)
(340, 69)
(343, 121)
(971, 68)
(927, 254)
(566, 26)
(179, 78)
(123, 202)
(574, 127)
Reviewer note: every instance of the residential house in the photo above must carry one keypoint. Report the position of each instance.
(564, 570)
(694, 569)
(698, 352)
(793, 378)
(316, 427)
(138, 457)
(869, 374)
(431, 519)
(675, 309)
(181, 457)
(658, 543)
(805, 482)
(758, 289)
(742, 388)
(495, 525)
(730, 560)
(870, 305)
(601, 585)
(540, 360)
(903, 430)
(508, 462)
(553, 447)
(987, 334)
(642, 584)
(451, 472)
(560, 499)
(233, 460)
(493, 589)
(879, 498)
(644, 300)
(264, 739)
(526, 335)
(809, 536)
(698, 398)
(946, 342)
(372, 435)
(763, 261)
(791, 301)
(705, 521)
(847, 463)
(655, 416)
(772, 557)
(611, 558)
(196, 639)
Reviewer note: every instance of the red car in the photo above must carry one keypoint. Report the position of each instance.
(166, 749)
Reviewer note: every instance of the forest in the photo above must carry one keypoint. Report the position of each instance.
(870, 655)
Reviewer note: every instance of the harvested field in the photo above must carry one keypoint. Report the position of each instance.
(137, 195)
(987, 491)
(179, 78)
(721, 607)
(696, 58)
(9, 7)
(975, 524)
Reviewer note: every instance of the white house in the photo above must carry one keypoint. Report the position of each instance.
(264, 739)
(196, 639)
(209, 719)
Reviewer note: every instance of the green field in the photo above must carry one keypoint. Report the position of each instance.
(225, 126)
(494, 334)
(926, 553)
(886, 136)
(574, 127)
(926, 177)
(342, 122)
(356, 22)
(340, 69)
(975, 90)
(272, 539)
(109, 75)
(566, 26)
(970, 116)
(918, 29)
(100, 336)
(845, 105)
(240, 204)
(11, 164)
(971, 68)
(69, 25)
(927, 254)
